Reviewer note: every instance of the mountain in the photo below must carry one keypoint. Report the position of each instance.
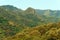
(14, 20)
(51, 13)
(9, 7)
(30, 10)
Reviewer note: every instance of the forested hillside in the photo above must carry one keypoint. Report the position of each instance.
(29, 24)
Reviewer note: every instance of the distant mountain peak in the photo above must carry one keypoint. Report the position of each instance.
(30, 10)
(7, 5)
(10, 7)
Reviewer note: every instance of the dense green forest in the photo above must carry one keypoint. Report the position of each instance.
(29, 24)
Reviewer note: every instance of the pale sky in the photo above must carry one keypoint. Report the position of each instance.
(37, 4)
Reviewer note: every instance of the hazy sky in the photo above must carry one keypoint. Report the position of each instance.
(37, 4)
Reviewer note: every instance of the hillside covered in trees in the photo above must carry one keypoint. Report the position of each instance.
(29, 24)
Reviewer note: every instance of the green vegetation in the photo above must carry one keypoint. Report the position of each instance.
(29, 24)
